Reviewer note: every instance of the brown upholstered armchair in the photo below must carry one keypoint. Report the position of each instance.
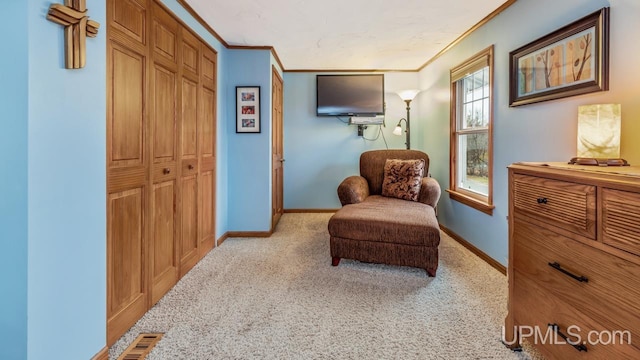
(382, 229)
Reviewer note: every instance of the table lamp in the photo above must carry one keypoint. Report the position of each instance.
(599, 136)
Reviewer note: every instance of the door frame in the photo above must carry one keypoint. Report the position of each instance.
(277, 149)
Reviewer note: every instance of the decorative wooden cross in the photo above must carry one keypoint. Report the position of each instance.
(77, 26)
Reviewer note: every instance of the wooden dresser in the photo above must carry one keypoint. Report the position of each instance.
(574, 260)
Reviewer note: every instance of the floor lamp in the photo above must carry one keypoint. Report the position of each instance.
(407, 96)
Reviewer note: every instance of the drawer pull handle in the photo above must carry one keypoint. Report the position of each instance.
(166, 171)
(577, 346)
(557, 266)
(190, 167)
(542, 200)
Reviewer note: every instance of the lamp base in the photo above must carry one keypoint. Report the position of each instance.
(598, 162)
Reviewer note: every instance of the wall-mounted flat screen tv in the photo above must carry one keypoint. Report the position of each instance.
(350, 95)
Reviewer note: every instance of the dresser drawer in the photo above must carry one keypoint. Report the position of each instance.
(610, 286)
(538, 307)
(563, 204)
(621, 220)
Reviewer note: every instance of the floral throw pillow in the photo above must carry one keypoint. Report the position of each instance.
(402, 178)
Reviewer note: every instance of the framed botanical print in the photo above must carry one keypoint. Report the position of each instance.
(570, 61)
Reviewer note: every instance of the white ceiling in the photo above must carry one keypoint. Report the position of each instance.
(345, 34)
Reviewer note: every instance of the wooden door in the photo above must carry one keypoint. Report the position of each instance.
(277, 149)
(127, 164)
(164, 105)
(161, 121)
(207, 152)
(189, 144)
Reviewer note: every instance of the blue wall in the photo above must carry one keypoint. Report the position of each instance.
(53, 208)
(67, 187)
(538, 132)
(249, 154)
(13, 182)
(322, 151)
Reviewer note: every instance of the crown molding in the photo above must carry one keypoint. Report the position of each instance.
(475, 27)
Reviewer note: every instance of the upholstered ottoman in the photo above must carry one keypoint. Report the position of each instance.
(388, 231)
(381, 229)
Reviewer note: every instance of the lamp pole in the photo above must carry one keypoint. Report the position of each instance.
(407, 96)
(408, 131)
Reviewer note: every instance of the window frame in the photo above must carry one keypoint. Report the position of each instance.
(477, 201)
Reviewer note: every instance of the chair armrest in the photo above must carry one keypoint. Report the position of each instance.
(353, 190)
(429, 192)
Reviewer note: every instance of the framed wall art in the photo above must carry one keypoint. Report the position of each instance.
(570, 61)
(247, 109)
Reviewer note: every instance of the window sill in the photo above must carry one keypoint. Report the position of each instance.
(472, 202)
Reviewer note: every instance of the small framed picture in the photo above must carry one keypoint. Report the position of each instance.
(247, 109)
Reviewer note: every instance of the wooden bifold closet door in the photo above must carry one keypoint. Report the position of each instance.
(161, 118)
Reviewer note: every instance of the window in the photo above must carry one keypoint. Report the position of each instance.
(471, 135)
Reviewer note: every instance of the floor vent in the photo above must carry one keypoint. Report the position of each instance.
(141, 346)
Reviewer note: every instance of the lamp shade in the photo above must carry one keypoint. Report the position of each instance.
(397, 130)
(599, 131)
(408, 94)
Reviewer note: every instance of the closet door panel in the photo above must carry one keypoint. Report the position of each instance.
(190, 54)
(209, 94)
(164, 35)
(207, 152)
(129, 17)
(126, 285)
(126, 120)
(165, 100)
(164, 114)
(189, 144)
(189, 119)
(126, 226)
(127, 294)
(164, 267)
(189, 224)
(208, 123)
(209, 60)
(206, 227)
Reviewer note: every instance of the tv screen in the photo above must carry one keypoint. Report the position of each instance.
(350, 95)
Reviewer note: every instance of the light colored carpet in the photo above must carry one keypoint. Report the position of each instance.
(279, 298)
